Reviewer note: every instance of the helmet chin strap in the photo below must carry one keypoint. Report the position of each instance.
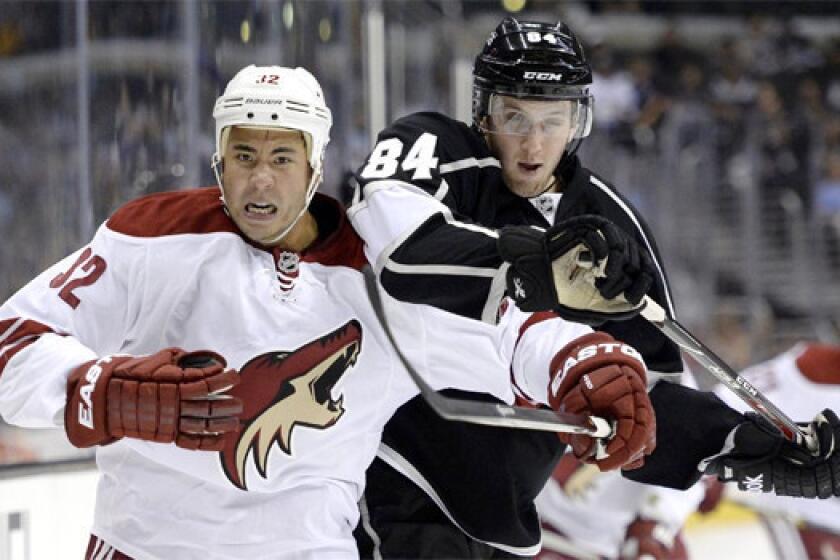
(550, 183)
(310, 194)
(313, 186)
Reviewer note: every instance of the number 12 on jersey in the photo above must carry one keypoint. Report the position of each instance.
(385, 158)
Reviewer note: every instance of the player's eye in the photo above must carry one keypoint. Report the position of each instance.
(555, 124)
(515, 122)
(244, 157)
(513, 117)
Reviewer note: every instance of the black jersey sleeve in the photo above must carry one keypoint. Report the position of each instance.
(409, 207)
(690, 426)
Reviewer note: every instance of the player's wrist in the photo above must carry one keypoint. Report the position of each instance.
(649, 539)
(86, 414)
(529, 278)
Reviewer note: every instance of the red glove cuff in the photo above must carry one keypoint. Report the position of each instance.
(85, 415)
(587, 354)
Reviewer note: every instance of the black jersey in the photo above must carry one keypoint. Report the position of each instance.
(427, 203)
(439, 260)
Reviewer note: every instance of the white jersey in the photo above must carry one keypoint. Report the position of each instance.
(318, 376)
(802, 379)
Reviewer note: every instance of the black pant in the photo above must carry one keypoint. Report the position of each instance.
(408, 524)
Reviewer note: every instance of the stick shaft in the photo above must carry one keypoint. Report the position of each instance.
(726, 375)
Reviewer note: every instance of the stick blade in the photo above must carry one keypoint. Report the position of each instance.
(502, 415)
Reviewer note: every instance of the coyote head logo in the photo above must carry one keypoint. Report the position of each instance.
(284, 390)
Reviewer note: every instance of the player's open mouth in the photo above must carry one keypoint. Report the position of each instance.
(260, 209)
(529, 167)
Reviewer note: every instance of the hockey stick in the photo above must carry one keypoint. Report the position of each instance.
(486, 413)
(656, 316)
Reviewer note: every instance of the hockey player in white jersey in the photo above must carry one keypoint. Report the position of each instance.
(797, 379)
(223, 356)
(587, 514)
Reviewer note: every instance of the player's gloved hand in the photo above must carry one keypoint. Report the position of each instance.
(647, 539)
(760, 459)
(585, 268)
(170, 396)
(598, 375)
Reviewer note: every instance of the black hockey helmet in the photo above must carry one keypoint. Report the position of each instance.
(533, 60)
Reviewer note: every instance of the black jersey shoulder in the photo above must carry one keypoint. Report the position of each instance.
(455, 139)
(588, 193)
(440, 155)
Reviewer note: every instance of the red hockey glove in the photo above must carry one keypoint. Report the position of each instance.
(598, 375)
(646, 539)
(170, 396)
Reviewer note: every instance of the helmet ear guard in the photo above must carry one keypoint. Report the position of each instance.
(589, 118)
(585, 113)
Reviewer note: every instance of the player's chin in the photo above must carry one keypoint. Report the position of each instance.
(527, 188)
(261, 232)
(269, 235)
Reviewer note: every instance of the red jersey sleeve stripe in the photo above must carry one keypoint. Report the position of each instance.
(8, 328)
(521, 397)
(16, 334)
(535, 318)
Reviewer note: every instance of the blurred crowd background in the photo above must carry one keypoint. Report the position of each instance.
(719, 119)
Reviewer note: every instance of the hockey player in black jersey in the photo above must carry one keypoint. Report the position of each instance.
(435, 203)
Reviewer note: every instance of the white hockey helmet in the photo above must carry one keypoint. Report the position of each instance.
(275, 97)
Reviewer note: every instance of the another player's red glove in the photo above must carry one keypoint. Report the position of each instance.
(648, 540)
(170, 396)
(598, 375)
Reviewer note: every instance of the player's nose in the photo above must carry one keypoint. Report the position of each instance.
(261, 177)
(533, 142)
